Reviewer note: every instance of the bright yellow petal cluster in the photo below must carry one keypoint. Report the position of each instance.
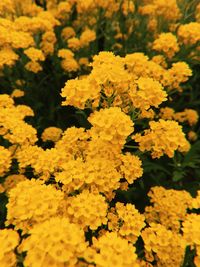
(5, 160)
(34, 54)
(12, 180)
(7, 57)
(163, 245)
(146, 93)
(191, 233)
(51, 134)
(169, 207)
(31, 202)
(108, 68)
(56, 242)
(96, 174)
(80, 92)
(87, 210)
(111, 125)
(126, 221)
(189, 33)
(131, 167)
(9, 240)
(12, 123)
(179, 73)
(163, 137)
(166, 43)
(114, 251)
(188, 115)
(87, 36)
(68, 62)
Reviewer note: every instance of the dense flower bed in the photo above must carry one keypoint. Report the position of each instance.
(99, 133)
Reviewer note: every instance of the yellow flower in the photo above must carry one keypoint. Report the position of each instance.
(87, 210)
(17, 93)
(163, 137)
(55, 242)
(48, 42)
(166, 43)
(180, 73)
(68, 32)
(192, 136)
(111, 125)
(74, 43)
(166, 247)
(108, 68)
(80, 92)
(51, 134)
(33, 66)
(5, 160)
(191, 228)
(34, 54)
(87, 36)
(7, 57)
(31, 202)
(131, 167)
(126, 221)
(188, 115)
(112, 250)
(146, 93)
(189, 34)
(12, 180)
(169, 207)
(9, 240)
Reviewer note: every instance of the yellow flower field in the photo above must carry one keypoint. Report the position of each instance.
(99, 133)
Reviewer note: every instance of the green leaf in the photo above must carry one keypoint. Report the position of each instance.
(178, 175)
(192, 158)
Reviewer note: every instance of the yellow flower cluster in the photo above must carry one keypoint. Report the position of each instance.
(68, 62)
(196, 201)
(17, 93)
(163, 137)
(179, 73)
(130, 82)
(61, 245)
(191, 234)
(13, 127)
(156, 8)
(192, 136)
(112, 250)
(7, 57)
(126, 221)
(189, 33)
(131, 167)
(11, 181)
(75, 43)
(165, 209)
(64, 186)
(97, 174)
(80, 91)
(5, 160)
(167, 44)
(164, 246)
(9, 241)
(190, 116)
(34, 55)
(51, 134)
(111, 125)
(87, 210)
(31, 202)
(147, 93)
(73, 143)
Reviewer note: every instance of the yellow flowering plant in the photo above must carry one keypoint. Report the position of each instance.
(99, 133)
